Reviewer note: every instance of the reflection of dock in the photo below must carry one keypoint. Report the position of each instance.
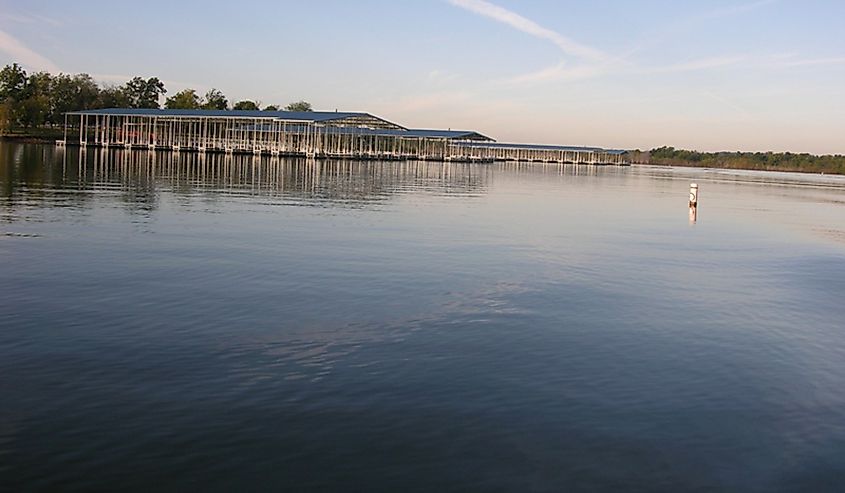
(347, 181)
(142, 178)
(324, 135)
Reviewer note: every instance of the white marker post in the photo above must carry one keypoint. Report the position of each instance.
(693, 194)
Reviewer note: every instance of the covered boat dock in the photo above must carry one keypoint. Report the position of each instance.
(318, 134)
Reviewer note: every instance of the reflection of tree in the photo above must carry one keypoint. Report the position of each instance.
(33, 173)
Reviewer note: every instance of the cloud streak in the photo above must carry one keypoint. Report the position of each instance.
(563, 72)
(559, 72)
(784, 63)
(21, 53)
(520, 23)
(701, 64)
(30, 19)
(735, 10)
(683, 24)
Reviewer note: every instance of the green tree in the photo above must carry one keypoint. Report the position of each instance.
(87, 91)
(112, 97)
(299, 106)
(38, 83)
(63, 94)
(12, 82)
(183, 100)
(144, 93)
(214, 100)
(246, 105)
(33, 109)
(271, 107)
(70, 93)
(5, 117)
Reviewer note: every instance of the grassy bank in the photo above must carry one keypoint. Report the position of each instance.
(762, 161)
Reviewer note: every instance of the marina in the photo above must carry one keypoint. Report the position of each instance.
(317, 134)
(443, 246)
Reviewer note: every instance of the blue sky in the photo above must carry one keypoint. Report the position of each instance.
(710, 75)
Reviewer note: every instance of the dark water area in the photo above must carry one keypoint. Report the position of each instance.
(184, 323)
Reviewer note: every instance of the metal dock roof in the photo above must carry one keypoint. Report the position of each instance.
(541, 147)
(304, 116)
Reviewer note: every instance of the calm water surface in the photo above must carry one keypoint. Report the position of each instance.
(178, 323)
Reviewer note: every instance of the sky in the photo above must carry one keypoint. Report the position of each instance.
(750, 75)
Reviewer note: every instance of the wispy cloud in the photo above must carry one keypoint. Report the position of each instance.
(563, 72)
(701, 64)
(778, 61)
(560, 72)
(684, 24)
(734, 10)
(520, 23)
(24, 55)
(440, 77)
(792, 62)
(30, 19)
(588, 62)
(592, 61)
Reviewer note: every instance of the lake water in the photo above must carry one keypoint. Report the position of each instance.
(184, 323)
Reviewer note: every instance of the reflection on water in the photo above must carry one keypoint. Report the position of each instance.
(338, 182)
(174, 321)
(140, 174)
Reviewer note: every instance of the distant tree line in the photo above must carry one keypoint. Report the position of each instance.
(41, 99)
(767, 161)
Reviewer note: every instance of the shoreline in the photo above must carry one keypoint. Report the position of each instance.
(40, 136)
(736, 172)
(733, 168)
(27, 139)
(50, 136)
